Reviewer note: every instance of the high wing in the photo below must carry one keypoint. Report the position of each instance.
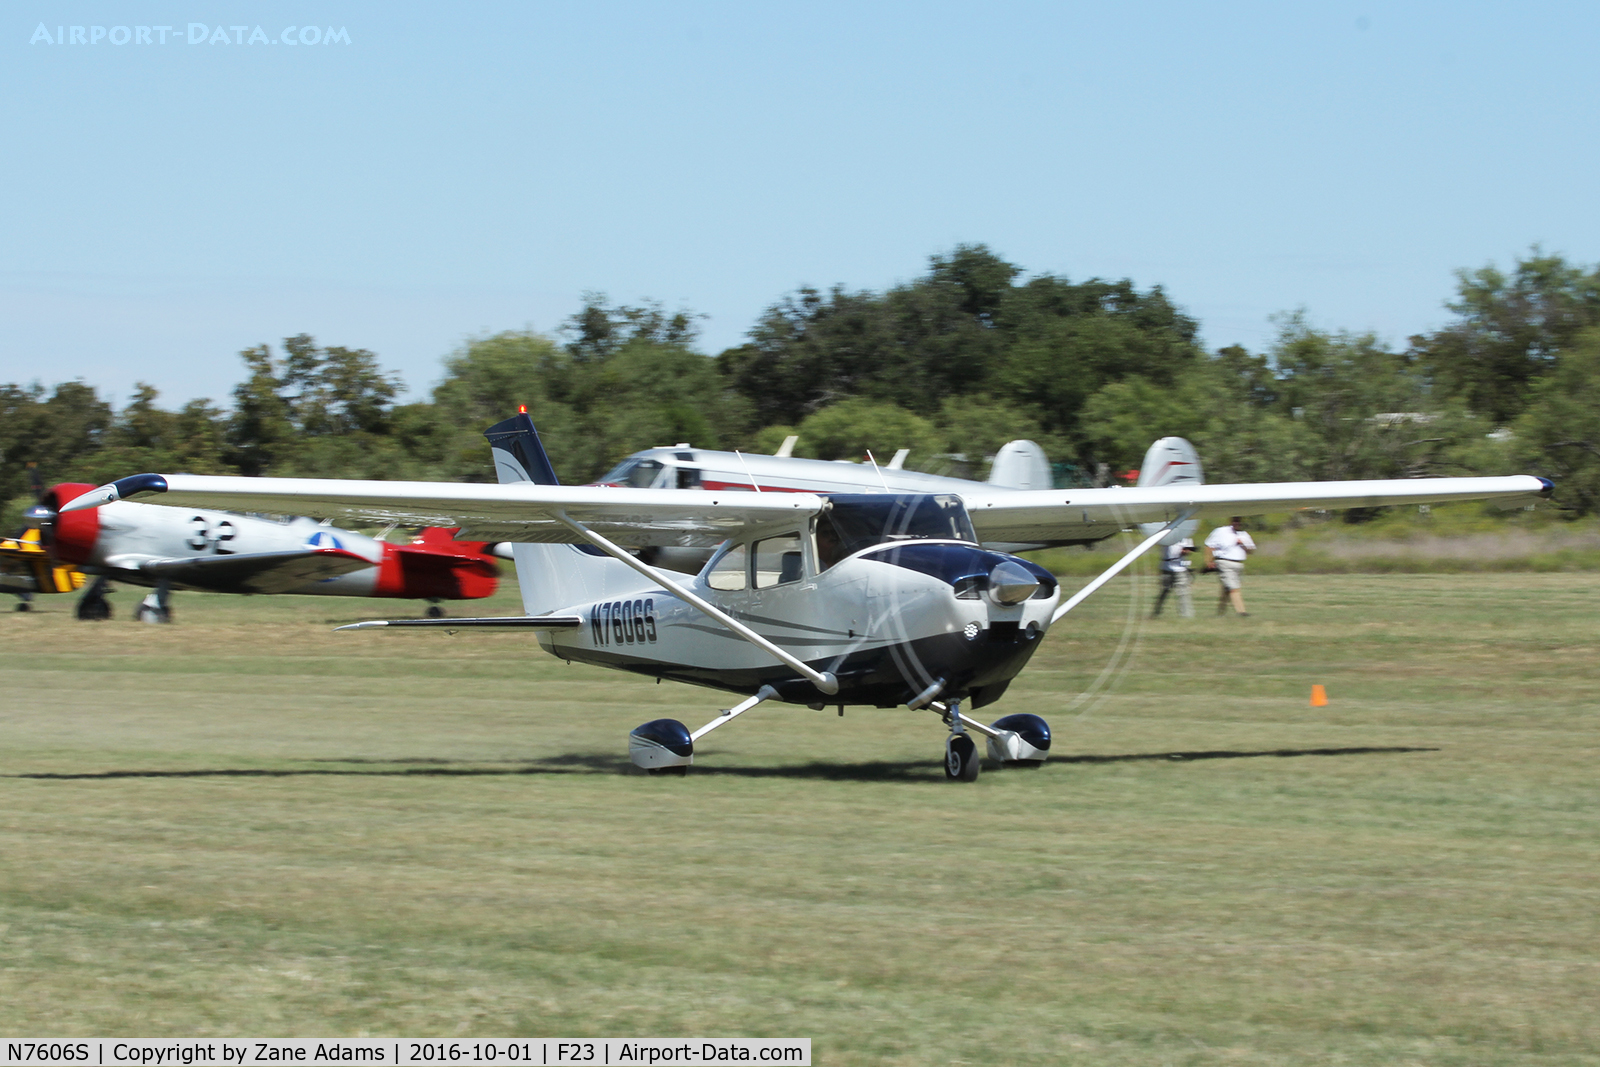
(523, 511)
(519, 511)
(256, 572)
(1073, 515)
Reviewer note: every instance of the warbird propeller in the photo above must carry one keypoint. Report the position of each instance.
(877, 600)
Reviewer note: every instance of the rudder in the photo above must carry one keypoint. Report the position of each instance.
(551, 577)
(1171, 461)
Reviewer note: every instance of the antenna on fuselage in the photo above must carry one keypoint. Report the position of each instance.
(747, 473)
(875, 467)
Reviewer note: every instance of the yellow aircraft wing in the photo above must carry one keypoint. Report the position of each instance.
(25, 567)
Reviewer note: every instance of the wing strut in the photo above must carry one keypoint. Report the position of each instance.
(1117, 568)
(766, 692)
(823, 680)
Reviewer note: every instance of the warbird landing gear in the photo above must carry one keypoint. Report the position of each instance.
(93, 605)
(156, 606)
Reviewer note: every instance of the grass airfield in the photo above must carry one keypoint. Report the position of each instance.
(243, 824)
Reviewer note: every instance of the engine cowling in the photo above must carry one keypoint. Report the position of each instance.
(71, 537)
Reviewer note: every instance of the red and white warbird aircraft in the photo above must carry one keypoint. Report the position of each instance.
(877, 600)
(230, 552)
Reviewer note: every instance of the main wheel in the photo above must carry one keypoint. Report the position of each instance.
(961, 760)
(661, 746)
(435, 611)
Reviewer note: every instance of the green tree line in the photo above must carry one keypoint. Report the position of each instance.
(953, 363)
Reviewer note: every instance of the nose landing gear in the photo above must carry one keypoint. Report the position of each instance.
(961, 760)
(1020, 740)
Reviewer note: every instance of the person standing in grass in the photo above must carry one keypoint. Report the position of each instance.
(1226, 550)
(1175, 578)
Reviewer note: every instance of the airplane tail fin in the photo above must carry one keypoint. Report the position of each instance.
(1171, 461)
(519, 455)
(1020, 465)
(551, 577)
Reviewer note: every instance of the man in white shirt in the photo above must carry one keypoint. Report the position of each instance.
(1175, 578)
(1226, 550)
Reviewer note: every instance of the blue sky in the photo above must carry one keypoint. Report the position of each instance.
(459, 170)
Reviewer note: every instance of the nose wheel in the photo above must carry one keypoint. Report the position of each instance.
(961, 759)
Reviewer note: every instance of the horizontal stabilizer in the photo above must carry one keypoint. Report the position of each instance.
(503, 622)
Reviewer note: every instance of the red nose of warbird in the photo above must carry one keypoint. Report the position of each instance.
(70, 535)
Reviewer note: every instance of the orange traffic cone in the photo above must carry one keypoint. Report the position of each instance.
(1319, 697)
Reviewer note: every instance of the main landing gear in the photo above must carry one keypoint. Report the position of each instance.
(93, 605)
(156, 607)
(666, 746)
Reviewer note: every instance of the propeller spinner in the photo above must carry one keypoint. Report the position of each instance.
(41, 516)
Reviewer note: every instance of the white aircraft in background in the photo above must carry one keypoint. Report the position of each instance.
(877, 600)
(1017, 465)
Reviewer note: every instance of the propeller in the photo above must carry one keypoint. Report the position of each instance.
(41, 515)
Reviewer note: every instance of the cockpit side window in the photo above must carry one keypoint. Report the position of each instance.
(729, 571)
(778, 561)
(634, 473)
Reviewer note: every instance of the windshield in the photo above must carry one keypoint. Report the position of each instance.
(634, 473)
(852, 522)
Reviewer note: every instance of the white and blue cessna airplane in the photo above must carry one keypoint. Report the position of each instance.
(868, 599)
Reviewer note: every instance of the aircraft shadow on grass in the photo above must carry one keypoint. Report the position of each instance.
(589, 763)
